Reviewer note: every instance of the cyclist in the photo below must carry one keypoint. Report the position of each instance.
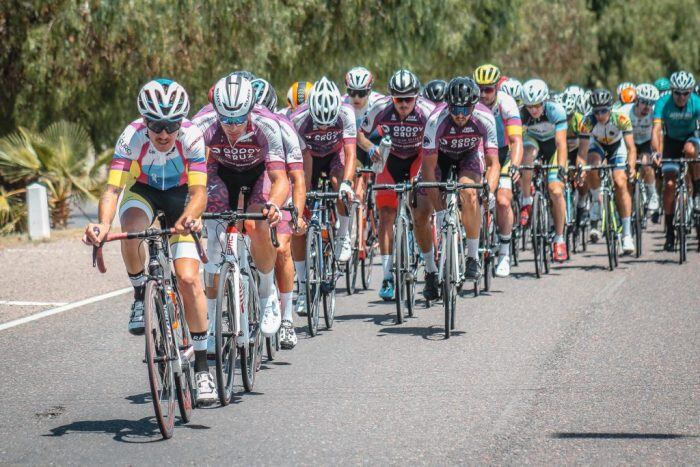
(640, 114)
(513, 88)
(460, 135)
(297, 94)
(676, 119)
(284, 266)
(663, 85)
(434, 90)
(244, 149)
(402, 116)
(327, 127)
(571, 98)
(510, 153)
(607, 134)
(165, 152)
(545, 135)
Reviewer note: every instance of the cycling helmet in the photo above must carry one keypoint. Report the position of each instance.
(298, 93)
(359, 78)
(513, 88)
(584, 104)
(535, 91)
(662, 84)
(264, 93)
(647, 92)
(462, 91)
(435, 90)
(163, 99)
(682, 80)
(601, 98)
(404, 83)
(570, 99)
(324, 102)
(233, 96)
(487, 75)
(557, 97)
(622, 86)
(628, 95)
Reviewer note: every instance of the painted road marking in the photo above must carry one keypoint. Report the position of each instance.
(61, 309)
(20, 303)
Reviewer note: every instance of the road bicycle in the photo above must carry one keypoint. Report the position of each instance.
(684, 215)
(365, 236)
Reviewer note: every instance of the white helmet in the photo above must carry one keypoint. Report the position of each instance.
(584, 104)
(359, 78)
(682, 80)
(571, 97)
(324, 102)
(163, 99)
(648, 92)
(233, 96)
(622, 86)
(535, 91)
(512, 87)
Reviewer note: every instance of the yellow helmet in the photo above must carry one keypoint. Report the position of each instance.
(298, 93)
(487, 75)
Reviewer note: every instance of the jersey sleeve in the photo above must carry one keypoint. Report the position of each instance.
(369, 122)
(659, 109)
(347, 117)
(126, 153)
(510, 115)
(624, 124)
(292, 145)
(430, 135)
(275, 159)
(491, 137)
(586, 126)
(557, 116)
(195, 155)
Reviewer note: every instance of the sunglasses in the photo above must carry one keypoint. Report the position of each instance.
(601, 110)
(646, 102)
(157, 126)
(681, 93)
(404, 99)
(358, 92)
(233, 120)
(534, 107)
(461, 109)
(487, 89)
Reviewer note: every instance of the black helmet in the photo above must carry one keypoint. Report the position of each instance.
(435, 90)
(404, 83)
(462, 91)
(601, 98)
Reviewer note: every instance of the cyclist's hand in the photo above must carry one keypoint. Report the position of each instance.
(95, 233)
(301, 226)
(194, 225)
(374, 154)
(273, 214)
(345, 191)
(182, 225)
(656, 159)
(514, 173)
(490, 203)
(631, 172)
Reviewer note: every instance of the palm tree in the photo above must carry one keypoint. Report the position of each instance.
(62, 157)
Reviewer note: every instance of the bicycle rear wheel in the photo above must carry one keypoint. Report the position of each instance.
(159, 354)
(328, 284)
(449, 294)
(313, 278)
(224, 333)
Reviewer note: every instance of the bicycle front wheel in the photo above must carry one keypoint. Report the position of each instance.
(251, 353)
(449, 293)
(184, 381)
(159, 354)
(224, 333)
(313, 278)
(681, 225)
(538, 235)
(399, 254)
(610, 235)
(638, 217)
(328, 287)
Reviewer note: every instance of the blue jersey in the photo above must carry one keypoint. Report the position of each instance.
(679, 123)
(544, 128)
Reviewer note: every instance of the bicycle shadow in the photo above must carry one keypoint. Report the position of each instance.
(433, 333)
(618, 435)
(378, 319)
(140, 431)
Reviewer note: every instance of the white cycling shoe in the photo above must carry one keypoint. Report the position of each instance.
(288, 337)
(627, 245)
(344, 249)
(205, 388)
(654, 201)
(301, 304)
(503, 266)
(271, 316)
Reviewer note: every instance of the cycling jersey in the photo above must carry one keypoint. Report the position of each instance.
(407, 134)
(360, 113)
(572, 130)
(641, 124)
(135, 156)
(679, 124)
(607, 134)
(321, 141)
(545, 127)
(293, 144)
(507, 115)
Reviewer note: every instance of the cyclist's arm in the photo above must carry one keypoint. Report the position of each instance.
(279, 189)
(350, 151)
(562, 153)
(515, 141)
(631, 150)
(657, 138)
(347, 117)
(427, 171)
(297, 178)
(308, 167)
(364, 142)
(197, 201)
(493, 169)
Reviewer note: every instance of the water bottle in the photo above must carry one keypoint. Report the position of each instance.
(384, 148)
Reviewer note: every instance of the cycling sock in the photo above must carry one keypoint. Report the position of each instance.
(344, 224)
(651, 188)
(287, 305)
(199, 342)
(669, 225)
(626, 226)
(300, 267)
(473, 247)
(526, 201)
(267, 284)
(440, 217)
(386, 265)
(595, 204)
(504, 245)
(211, 313)
(696, 186)
(138, 281)
(558, 238)
(429, 257)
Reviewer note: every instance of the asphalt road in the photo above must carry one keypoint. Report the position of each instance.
(585, 366)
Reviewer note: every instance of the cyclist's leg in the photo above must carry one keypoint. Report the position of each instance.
(386, 203)
(555, 187)
(673, 149)
(426, 201)
(623, 198)
(471, 216)
(504, 215)
(595, 157)
(343, 247)
(284, 273)
(530, 149)
(690, 151)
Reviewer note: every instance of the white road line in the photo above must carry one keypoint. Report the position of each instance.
(20, 303)
(61, 309)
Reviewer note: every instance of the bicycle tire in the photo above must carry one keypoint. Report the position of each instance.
(370, 249)
(448, 285)
(609, 230)
(158, 359)
(410, 271)
(251, 354)
(225, 335)
(681, 229)
(398, 276)
(272, 345)
(330, 275)
(485, 247)
(545, 230)
(536, 223)
(638, 214)
(313, 279)
(183, 382)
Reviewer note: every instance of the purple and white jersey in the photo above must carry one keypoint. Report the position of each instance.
(261, 142)
(407, 134)
(328, 140)
(360, 113)
(293, 144)
(444, 136)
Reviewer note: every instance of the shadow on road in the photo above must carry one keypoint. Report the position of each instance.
(380, 320)
(144, 430)
(429, 333)
(620, 435)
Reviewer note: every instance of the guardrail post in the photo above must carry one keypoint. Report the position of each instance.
(38, 207)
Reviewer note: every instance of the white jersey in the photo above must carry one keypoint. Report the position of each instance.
(641, 125)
